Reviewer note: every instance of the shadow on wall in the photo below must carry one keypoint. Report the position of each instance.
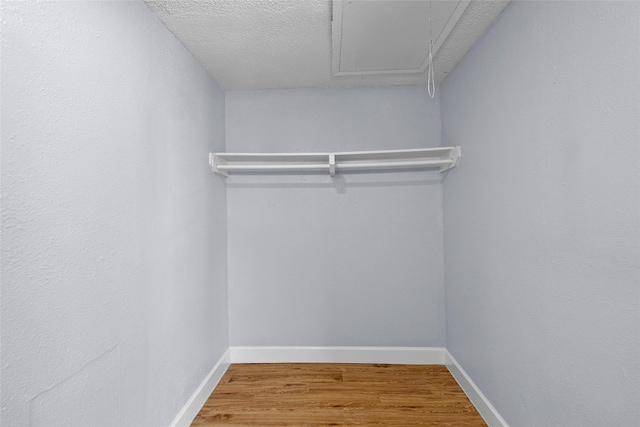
(357, 179)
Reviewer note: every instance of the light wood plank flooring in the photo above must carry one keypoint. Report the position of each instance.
(334, 394)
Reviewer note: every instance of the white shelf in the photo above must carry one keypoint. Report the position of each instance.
(443, 157)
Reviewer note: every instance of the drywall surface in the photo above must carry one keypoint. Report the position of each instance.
(113, 228)
(350, 260)
(542, 217)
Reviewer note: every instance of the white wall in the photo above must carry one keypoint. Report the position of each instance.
(350, 260)
(113, 228)
(542, 217)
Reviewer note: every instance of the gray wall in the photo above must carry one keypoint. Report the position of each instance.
(113, 228)
(350, 260)
(542, 217)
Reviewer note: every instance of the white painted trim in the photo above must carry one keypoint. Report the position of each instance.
(202, 393)
(479, 400)
(386, 355)
(382, 355)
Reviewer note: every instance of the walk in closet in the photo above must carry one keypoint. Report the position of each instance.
(191, 184)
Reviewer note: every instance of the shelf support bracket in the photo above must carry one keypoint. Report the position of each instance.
(332, 164)
(456, 153)
(214, 161)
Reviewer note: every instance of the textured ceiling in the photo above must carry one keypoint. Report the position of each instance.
(273, 44)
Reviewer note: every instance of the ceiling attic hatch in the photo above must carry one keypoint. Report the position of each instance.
(389, 37)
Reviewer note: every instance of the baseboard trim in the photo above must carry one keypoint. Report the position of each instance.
(479, 400)
(202, 393)
(383, 355)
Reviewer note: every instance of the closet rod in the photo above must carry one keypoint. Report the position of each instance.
(367, 165)
(394, 164)
(270, 167)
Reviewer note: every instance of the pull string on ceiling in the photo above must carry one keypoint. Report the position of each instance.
(431, 82)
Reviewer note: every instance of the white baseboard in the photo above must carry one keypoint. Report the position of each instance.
(382, 355)
(479, 400)
(202, 393)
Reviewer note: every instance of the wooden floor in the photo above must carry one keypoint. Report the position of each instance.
(305, 394)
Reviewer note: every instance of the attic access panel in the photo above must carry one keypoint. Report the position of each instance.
(389, 36)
